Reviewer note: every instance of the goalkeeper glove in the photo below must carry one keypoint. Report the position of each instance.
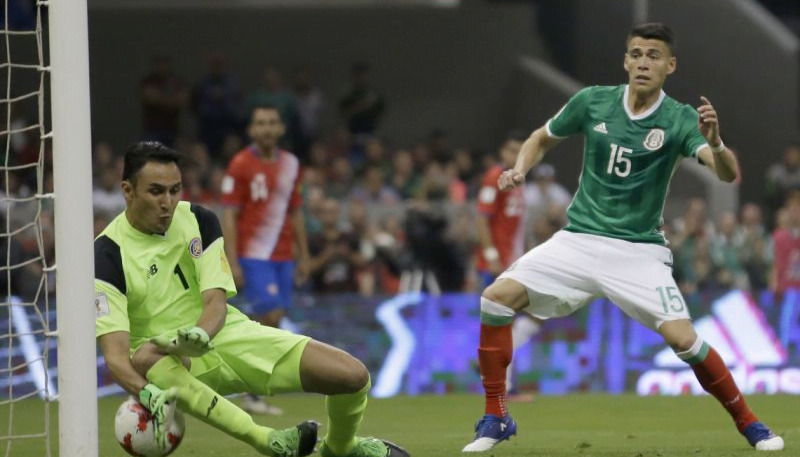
(161, 404)
(190, 342)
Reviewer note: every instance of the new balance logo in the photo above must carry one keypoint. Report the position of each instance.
(601, 127)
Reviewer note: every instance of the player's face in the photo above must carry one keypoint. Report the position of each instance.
(266, 128)
(153, 196)
(648, 62)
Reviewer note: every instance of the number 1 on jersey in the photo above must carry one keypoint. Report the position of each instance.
(617, 163)
(179, 272)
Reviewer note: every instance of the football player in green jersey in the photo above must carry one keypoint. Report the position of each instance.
(169, 337)
(635, 136)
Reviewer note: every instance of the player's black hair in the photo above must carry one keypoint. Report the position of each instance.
(265, 106)
(654, 31)
(517, 135)
(139, 154)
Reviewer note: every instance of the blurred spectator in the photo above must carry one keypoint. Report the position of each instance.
(782, 178)
(421, 154)
(467, 172)
(362, 106)
(374, 156)
(691, 246)
(373, 189)
(694, 218)
(547, 224)
(755, 246)
(232, 144)
(786, 272)
(310, 102)
(107, 195)
(726, 254)
(390, 253)
(405, 180)
(217, 101)
(340, 179)
(194, 187)
(335, 256)
(433, 251)
(318, 157)
(313, 197)
(441, 181)
(439, 146)
(164, 95)
(273, 92)
(543, 191)
(102, 158)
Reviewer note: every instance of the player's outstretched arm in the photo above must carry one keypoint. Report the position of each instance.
(115, 347)
(531, 153)
(717, 156)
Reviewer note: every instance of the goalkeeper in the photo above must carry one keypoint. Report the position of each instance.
(169, 337)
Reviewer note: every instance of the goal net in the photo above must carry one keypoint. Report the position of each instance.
(47, 348)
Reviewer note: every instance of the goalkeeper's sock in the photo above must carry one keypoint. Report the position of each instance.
(717, 380)
(494, 354)
(345, 412)
(205, 404)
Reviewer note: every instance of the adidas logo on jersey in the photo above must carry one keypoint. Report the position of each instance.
(601, 127)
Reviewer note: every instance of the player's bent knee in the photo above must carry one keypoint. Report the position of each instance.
(679, 334)
(358, 378)
(508, 293)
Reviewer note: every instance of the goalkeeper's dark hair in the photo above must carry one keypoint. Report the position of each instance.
(139, 154)
(654, 31)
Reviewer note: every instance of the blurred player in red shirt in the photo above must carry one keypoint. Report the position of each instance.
(501, 229)
(263, 223)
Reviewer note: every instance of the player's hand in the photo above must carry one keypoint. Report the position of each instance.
(190, 342)
(161, 404)
(510, 179)
(708, 123)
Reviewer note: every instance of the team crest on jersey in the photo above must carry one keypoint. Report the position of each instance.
(654, 140)
(195, 247)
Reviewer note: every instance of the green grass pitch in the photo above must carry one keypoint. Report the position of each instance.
(585, 425)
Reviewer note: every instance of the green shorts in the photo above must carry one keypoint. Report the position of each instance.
(250, 357)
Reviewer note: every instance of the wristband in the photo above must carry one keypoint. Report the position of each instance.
(491, 254)
(718, 149)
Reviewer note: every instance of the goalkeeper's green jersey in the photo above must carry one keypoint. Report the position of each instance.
(151, 285)
(628, 160)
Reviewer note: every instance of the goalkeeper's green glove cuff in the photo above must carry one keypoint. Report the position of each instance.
(190, 342)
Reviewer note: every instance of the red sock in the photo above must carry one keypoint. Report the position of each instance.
(494, 355)
(717, 380)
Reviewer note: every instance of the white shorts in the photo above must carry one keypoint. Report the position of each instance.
(570, 269)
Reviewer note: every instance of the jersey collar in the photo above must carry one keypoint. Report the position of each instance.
(651, 110)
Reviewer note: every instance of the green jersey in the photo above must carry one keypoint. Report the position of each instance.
(151, 285)
(628, 160)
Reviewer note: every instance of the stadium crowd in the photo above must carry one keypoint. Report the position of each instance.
(376, 208)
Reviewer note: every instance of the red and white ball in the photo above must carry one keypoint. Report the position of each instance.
(134, 428)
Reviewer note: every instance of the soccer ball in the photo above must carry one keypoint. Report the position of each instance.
(134, 429)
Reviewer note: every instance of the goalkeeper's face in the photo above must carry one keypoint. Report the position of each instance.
(152, 197)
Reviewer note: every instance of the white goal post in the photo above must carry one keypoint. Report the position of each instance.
(72, 180)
